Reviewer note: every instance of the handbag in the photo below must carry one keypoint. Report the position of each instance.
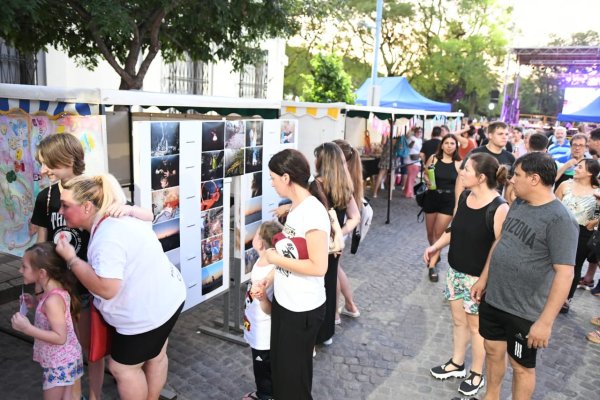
(420, 189)
(100, 335)
(336, 239)
(359, 233)
(594, 243)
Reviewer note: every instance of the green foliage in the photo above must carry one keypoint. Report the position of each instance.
(328, 82)
(123, 32)
(299, 63)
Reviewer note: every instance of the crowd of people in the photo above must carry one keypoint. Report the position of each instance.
(516, 209)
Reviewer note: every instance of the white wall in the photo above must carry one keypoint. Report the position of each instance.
(62, 71)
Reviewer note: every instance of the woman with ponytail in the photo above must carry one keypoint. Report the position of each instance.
(125, 271)
(300, 254)
(472, 236)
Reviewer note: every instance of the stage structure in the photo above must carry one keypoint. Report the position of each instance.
(574, 66)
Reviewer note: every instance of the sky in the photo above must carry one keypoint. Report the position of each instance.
(537, 19)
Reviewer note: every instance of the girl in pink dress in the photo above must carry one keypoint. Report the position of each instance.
(55, 346)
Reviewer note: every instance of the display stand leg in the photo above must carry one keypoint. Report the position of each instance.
(230, 330)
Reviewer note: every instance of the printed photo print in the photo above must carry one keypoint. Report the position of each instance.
(213, 136)
(212, 277)
(250, 231)
(168, 234)
(235, 132)
(234, 162)
(164, 138)
(254, 187)
(212, 223)
(212, 194)
(287, 132)
(212, 250)
(165, 204)
(253, 159)
(165, 172)
(212, 165)
(250, 257)
(254, 133)
(253, 212)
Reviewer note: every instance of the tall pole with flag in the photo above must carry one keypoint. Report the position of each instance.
(374, 93)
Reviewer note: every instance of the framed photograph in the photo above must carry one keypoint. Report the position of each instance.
(212, 250)
(212, 277)
(212, 223)
(253, 159)
(235, 134)
(213, 136)
(164, 138)
(168, 234)
(212, 194)
(164, 171)
(212, 165)
(165, 204)
(254, 133)
(234, 162)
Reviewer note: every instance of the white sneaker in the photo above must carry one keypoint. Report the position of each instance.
(328, 342)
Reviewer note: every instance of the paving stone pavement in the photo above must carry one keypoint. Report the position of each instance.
(404, 329)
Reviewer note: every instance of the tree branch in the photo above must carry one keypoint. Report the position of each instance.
(108, 56)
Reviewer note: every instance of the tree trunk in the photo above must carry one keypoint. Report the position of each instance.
(137, 84)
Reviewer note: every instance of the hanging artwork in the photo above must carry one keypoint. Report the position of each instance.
(20, 177)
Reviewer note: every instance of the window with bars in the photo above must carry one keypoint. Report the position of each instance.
(186, 77)
(253, 78)
(17, 67)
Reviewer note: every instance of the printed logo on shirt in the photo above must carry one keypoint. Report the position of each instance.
(72, 235)
(289, 231)
(282, 271)
(520, 230)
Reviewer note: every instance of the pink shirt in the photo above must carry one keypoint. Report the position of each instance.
(56, 355)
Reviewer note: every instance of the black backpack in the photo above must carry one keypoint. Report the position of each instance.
(491, 210)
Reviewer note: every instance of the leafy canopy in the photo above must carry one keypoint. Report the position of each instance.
(328, 82)
(129, 34)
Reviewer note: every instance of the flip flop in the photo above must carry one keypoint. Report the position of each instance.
(250, 396)
(349, 313)
(594, 336)
(595, 321)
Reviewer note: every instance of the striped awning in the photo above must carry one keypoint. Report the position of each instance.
(47, 107)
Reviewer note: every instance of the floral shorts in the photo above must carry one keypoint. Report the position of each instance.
(64, 375)
(458, 287)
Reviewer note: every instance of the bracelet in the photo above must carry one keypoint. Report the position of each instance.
(71, 262)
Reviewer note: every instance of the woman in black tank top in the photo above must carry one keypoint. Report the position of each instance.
(476, 226)
(439, 200)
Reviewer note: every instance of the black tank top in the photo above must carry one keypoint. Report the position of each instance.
(471, 240)
(445, 175)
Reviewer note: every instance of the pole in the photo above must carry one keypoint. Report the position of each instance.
(392, 122)
(374, 95)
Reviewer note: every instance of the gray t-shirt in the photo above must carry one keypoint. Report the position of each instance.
(534, 238)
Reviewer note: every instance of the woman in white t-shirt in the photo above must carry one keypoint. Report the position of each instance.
(412, 165)
(136, 288)
(299, 302)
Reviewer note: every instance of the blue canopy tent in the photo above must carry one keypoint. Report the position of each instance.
(396, 92)
(589, 113)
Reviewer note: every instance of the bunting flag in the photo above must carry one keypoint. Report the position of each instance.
(48, 107)
(317, 112)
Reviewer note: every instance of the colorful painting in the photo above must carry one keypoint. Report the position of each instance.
(20, 177)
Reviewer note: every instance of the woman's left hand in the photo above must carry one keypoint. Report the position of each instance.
(65, 249)
(20, 322)
(590, 225)
(119, 210)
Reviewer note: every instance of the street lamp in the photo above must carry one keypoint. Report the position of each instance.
(375, 90)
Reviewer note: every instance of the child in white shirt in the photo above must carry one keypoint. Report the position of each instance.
(257, 312)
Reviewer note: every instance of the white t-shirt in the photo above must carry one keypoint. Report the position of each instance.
(151, 287)
(297, 292)
(257, 323)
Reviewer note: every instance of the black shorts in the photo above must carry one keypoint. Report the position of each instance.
(498, 325)
(136, 349)
(436, 202)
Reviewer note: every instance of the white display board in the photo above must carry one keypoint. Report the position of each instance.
(178, 169)
(257, 198)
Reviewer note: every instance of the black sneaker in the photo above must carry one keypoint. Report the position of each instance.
(443, 371)
(468, 388)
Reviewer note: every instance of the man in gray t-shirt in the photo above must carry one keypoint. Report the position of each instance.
(528, 276)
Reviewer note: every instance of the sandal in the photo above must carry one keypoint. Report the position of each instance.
(433, 274)
(250, 396)
(593, 336)
(595, 321)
